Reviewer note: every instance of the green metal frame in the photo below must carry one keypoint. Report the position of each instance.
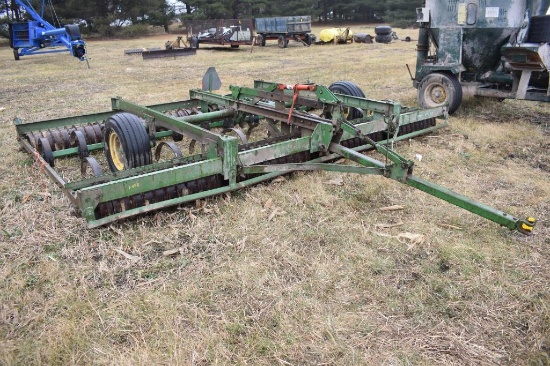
(222, 155)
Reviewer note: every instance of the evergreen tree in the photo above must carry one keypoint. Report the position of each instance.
(101, 14)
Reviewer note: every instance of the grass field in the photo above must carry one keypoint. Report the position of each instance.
(306, 270)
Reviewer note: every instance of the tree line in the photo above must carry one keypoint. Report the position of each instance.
(106, 16)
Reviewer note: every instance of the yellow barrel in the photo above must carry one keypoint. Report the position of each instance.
(330, 34)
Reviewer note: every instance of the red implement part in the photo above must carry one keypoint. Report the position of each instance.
(296, 89)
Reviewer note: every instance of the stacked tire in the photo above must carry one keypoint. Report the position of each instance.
(539, 29)
(383, 34)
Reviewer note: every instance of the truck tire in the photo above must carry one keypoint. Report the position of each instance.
(437, 88)
(352, 89)
(383, 38)
(382, 30)
(282, 42)
(127, 143)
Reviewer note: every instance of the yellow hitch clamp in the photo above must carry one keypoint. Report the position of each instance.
(527, 226)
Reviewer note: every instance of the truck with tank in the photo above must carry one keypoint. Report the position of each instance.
(487, 48)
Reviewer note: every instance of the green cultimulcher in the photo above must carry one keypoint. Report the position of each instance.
(136, 159)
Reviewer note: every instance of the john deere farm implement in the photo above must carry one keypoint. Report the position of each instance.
(136, 159)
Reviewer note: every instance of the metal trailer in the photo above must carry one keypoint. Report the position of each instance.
(233, 32)
(491, 48)
(283, 29)
(39, 36)
(211, 144)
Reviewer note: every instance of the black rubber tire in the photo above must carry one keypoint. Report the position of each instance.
(539, 29)
(352, 89)
(360, 37)
(16, 54)
(382, 30)
(73, 30)
(234, 46)
(194, 42)
(437, 88)
(135, 148)
(308, 39)
(386, 38)
(260, 39)
(282, 42)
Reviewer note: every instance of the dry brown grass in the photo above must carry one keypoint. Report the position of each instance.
(321, 282)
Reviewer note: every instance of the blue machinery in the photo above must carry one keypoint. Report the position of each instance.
(28, 37)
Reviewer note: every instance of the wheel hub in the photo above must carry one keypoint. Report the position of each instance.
(115, 149)
(438, 94)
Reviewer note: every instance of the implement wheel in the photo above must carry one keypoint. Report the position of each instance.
(16, 54)
(282, 41)
(126, 142)
(437, 89)
(352, 89)
(260, 40)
